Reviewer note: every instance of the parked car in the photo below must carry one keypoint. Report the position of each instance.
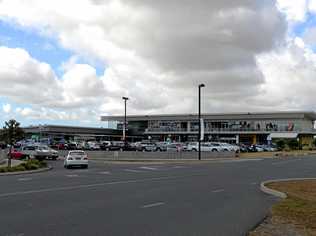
(72, 146)
(161, 146)
(105, 145)
(205, 147)
(39, 152)
(116, 146)
(229, 147)
(76, 158)
(16, 154)
(255, 148)
(176, 147)
(146, 146)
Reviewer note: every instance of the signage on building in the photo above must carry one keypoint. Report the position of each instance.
(202, 130)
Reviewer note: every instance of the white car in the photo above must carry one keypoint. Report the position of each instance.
(76, 158)
(229, 147)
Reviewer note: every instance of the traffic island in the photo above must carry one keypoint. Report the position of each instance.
(30, 166)
(295, 214)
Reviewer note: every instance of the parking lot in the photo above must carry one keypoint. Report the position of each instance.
(218, 198)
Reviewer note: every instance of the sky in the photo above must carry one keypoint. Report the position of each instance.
(69, 62)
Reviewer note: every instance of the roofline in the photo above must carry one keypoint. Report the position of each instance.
(309, 114)
(63, 126)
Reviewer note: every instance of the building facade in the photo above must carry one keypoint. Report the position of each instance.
(59, 133)
(248, 128)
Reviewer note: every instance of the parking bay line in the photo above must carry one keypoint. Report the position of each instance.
(153, 205)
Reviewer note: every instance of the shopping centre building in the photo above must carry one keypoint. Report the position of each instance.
(248, 128)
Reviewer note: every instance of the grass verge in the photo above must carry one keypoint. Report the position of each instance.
(295, 215)
(28, 165)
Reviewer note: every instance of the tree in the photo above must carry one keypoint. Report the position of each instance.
(11, 133)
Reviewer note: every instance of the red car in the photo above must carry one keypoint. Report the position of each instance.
(16, 154)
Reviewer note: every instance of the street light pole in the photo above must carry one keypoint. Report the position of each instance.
(124, 126)
(199, 138)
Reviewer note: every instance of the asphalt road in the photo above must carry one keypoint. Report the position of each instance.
(221, 198)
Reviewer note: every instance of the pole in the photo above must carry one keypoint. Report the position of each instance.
(125, 122)
(200, 86)
(124, 125)
(199, 122)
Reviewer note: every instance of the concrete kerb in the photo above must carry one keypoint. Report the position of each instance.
(27, 172)
(276, 193)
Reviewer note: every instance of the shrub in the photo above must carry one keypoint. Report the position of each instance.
(280, 144)
(293, 144)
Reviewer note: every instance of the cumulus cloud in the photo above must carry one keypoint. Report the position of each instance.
(157, 52)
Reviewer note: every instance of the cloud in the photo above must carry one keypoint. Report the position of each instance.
(157, 52)
(6, 108)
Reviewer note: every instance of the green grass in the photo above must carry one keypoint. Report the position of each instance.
(28, 165)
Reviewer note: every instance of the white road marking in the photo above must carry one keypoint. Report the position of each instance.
(218, 190)
(134, 171)
(179, 167)
(153, 205)
(148, 168)
(285, 162)
(86, 186)
(105, 173)
(72, 176)
(241, 160)
(24, 179)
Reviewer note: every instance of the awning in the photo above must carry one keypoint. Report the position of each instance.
(282, 135)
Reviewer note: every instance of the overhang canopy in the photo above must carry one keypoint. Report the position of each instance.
(283, 135)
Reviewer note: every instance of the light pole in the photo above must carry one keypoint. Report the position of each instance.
(200, 86)
(124, 126)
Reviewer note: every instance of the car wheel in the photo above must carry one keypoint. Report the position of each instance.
(107, 149)
(225, 150)
(214, 150)
(194, 150)
(121, 149)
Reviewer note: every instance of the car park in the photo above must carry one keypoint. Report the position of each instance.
(76, 158)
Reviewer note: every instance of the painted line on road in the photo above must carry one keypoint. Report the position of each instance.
(253, 183)
(285, 162)
(134, 171)
(24, 179)
(218, 190)
(104, 173)
(153, 205)
(72, 176)
(93, 185)
(147, 168)
(243, 160)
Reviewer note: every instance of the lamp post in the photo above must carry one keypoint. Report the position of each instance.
(200, 86)
(124, 126)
